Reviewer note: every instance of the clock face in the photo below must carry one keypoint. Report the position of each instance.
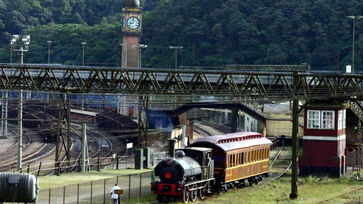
(133, 23)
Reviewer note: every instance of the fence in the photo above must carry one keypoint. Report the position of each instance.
(98, 192)
(47, 168)
(114, 162)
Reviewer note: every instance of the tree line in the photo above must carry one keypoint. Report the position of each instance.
(213, 33)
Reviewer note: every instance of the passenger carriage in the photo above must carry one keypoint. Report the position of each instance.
(238, 157)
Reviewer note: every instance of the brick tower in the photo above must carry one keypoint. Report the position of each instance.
(131, 32)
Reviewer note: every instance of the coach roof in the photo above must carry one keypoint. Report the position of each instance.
(232, 141)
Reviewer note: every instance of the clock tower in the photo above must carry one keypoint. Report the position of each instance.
(131, 32)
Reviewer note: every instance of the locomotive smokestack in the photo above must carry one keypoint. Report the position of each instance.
(172, 148)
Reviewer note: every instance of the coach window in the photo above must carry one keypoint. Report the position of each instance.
(234, 159)
(259, 155)
(237, 159)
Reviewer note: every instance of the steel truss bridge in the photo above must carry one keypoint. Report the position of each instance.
(149, 81)
(264, 85)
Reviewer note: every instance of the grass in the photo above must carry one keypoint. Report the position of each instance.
(142, 200)
(310, 189)
(47, 182)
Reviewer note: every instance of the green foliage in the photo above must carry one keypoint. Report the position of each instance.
(212, 33)
(102, 44)
(250, 32)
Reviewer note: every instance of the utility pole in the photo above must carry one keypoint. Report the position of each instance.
(82, 96)
(49, 42)
(84, 144)
(295, 143)
(21, 45)
(176, 48)
(358, 18)
(140, 47)
(20, 133)
(83, 45)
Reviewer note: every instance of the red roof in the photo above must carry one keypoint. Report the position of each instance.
(233, 141)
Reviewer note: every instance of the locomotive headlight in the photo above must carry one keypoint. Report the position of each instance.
(168, 175)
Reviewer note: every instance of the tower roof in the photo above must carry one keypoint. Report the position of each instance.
(131, 4)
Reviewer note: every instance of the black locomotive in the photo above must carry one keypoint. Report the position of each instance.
(187, 174)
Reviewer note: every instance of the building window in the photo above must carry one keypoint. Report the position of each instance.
(327, 121)
(313, 119)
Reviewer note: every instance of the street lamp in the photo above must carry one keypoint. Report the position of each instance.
(354, 17)
(140, 47)
(176, 48)
(12, 42)
(49, 42)
(21, 44)
(83, 44)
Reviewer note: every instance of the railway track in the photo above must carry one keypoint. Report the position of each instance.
(200, 130)
(13, 146)
(32, 151)
(98, 146)
(346, 193)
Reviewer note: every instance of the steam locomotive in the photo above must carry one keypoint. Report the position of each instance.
(212, 164)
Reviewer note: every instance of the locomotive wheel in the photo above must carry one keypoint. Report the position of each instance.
(201, 193)
(193, 194)
(160, 198)
(256, 180)
(185, 195)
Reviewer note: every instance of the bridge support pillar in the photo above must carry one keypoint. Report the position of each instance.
(143, 113)
(63, 111)
(234, 119)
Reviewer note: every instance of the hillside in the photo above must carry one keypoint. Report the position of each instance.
(217, 32)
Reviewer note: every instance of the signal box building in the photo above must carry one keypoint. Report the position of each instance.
(324, 140)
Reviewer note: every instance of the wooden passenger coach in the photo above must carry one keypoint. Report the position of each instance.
(238, 156)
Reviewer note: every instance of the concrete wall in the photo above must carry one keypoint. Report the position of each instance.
(281, 127)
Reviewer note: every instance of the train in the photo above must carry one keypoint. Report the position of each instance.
(212, 164)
